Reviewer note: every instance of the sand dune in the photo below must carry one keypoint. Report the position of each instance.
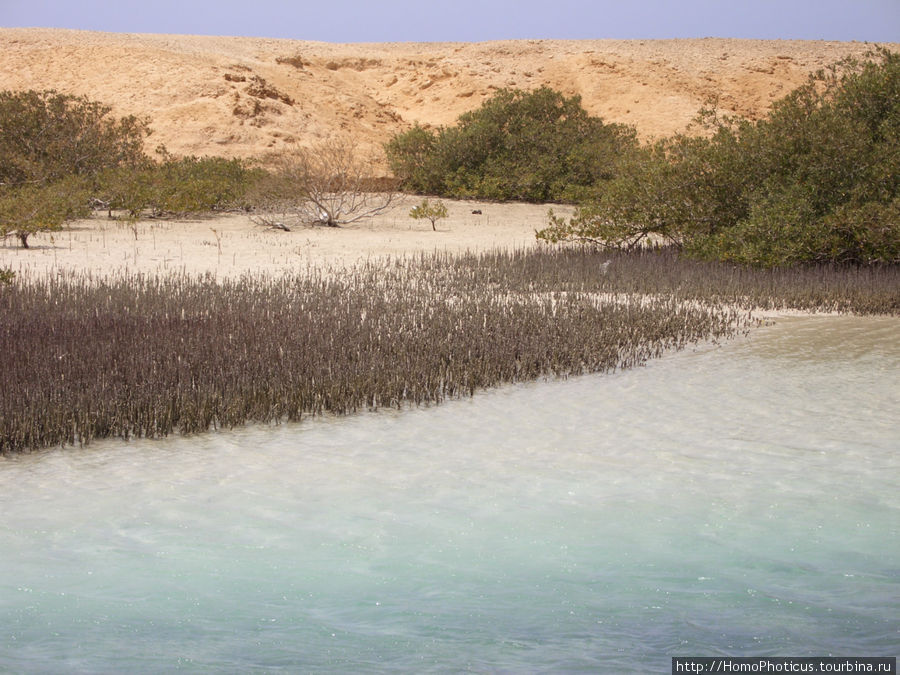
(242, 96)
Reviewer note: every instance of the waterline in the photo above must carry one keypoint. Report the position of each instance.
(739, 499)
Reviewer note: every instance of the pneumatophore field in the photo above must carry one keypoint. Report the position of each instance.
(84, 358)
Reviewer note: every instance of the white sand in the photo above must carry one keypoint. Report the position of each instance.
(231, 245)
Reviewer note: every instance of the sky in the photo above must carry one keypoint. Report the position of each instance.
(470, 20)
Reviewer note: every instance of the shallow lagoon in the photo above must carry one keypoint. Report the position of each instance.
(736, 499)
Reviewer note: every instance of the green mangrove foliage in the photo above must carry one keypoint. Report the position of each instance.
(59, 154)
(817, 180)
(42, 207)
(46, 136)
(430, 211)
(532, 146)
(52, 146)
(176, 185)
(149, 356)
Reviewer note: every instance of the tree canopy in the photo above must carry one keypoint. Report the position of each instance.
(51, 147)
(519, 145)
(46, 136)
(57, 152)
(816, 180)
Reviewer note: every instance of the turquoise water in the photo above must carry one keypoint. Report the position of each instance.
(739, 499)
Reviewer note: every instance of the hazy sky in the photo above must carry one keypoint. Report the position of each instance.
(471, 20)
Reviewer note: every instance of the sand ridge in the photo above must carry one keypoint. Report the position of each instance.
(240, 97)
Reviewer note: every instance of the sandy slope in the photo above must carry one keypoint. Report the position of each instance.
(241, 96)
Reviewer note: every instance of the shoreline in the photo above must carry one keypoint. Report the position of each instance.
(147, 354)
(228, 246)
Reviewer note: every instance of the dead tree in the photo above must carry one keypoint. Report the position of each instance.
(329, 184)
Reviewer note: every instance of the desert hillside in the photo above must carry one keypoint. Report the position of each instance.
(241, 96)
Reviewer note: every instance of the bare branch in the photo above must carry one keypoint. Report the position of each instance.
(329, 184)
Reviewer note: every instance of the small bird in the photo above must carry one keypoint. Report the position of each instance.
(604, 267)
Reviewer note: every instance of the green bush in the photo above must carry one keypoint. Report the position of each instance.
(176, 185)
(195, 184)
(57, 151)
(210, 183)
(431, 211)
(52, 146)
(39, 207)
(6, 276)
(532, 146)
(817, 180)
(46, 136)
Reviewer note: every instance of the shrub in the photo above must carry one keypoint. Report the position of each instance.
(532, 146)
(328, 184)
(38, 207)
(52, 146)
(816, 180)
(432, 211)
(194, 184)
(177, 185)
(46, 136)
